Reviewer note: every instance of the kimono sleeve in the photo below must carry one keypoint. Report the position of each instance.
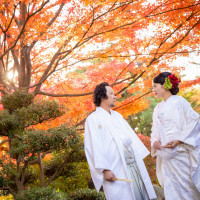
(94, 150)
(155, 130)
(189, 124)
(136, 142)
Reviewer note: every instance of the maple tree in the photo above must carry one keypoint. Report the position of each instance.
(43, 43)
(61, 49)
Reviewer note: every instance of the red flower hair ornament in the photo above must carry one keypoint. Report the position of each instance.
(171, 81)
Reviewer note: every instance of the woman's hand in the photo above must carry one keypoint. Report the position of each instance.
(109, 176)
(157, 145)
(173, 144)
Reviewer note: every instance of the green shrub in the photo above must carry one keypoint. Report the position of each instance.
(38, 193)
(86, 194)
(73, 177)
(17, 99)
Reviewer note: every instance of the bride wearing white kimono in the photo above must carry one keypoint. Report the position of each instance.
(175, 141)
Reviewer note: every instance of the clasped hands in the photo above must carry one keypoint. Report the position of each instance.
(172, 144)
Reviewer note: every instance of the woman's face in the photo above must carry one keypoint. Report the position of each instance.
(158, 90)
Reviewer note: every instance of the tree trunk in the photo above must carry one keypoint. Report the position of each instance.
(41, 170)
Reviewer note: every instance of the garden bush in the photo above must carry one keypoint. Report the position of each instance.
(38, 193)
(86, 194)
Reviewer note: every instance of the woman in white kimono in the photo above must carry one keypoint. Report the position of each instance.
(175, 141)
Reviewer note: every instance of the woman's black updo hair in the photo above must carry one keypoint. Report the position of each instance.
(160, 78)
(100, 93)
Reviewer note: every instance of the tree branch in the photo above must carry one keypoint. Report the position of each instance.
(22, 29)
(15, 6)
(123, 70)
(49, 24)
(132, 101)
(33, 162)
(63, 95)
(133, 81)
(41, 169)
(58, 170)
(10, 190)
(174, 9)
(4, 142)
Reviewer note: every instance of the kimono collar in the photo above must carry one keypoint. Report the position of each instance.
(170, 98)
(100, 109)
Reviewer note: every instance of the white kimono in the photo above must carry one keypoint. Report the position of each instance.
(104, 135)
(177, 169)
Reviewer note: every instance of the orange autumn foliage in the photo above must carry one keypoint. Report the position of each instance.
(62, 49)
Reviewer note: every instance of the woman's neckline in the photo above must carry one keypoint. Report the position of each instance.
(168, 98)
